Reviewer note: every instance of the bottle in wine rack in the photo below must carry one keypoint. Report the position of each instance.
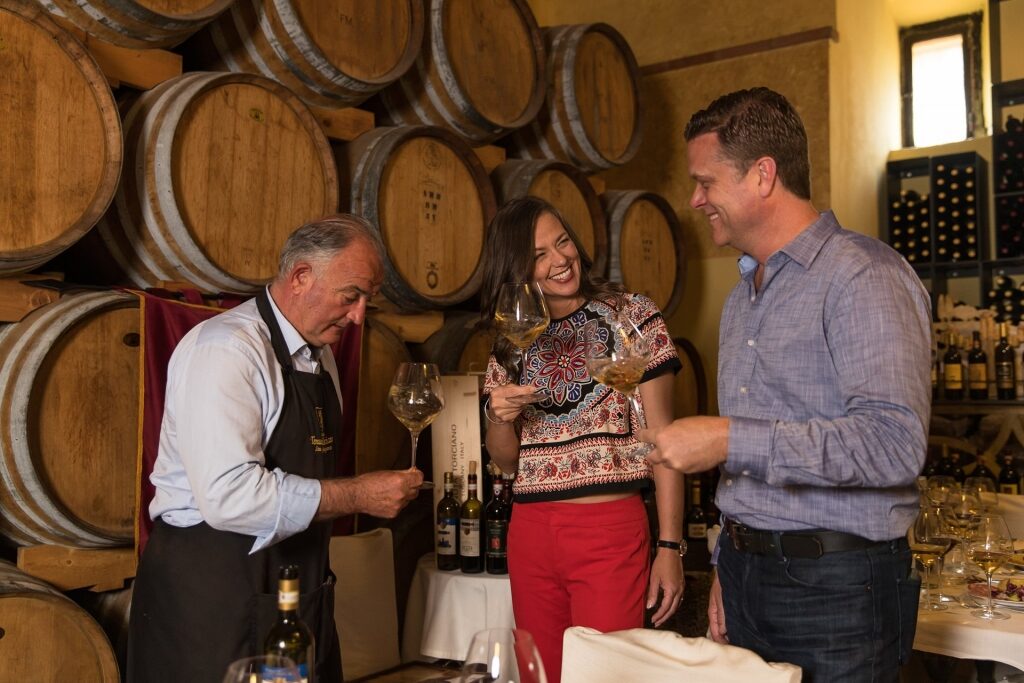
(977, 369)
(1004, 366)
(1009, 476)
(952, 378)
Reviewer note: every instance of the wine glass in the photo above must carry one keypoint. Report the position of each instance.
(617, 355)
(986, 491)
(961, 511)
(502, 655)
(989, 546)
(940, 487)
(262, 669)
(416, 398)
(520, 315)
(928, 542)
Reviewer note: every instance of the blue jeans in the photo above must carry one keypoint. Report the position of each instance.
(844, 617)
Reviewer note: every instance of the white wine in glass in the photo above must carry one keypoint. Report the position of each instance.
(521, 315)
(617, 354)
(416, 398)
(989, 546)
(929, 541)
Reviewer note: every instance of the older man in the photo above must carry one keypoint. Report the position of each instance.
(824, 388)
(245, 473)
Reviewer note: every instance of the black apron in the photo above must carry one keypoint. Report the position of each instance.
(201, 600)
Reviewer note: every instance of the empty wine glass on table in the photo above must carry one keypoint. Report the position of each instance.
(617, 354)
(502, 655)
(416, 398)
(961, 511)
(929, 542)
(262, 669)
(940, 487)
(989, 546)
(986, 491)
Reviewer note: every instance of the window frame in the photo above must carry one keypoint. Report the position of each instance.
(968, 26)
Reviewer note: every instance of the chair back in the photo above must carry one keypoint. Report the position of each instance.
(638, 654)
(365, 607)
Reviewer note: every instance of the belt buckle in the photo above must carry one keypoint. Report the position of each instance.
(801, 546)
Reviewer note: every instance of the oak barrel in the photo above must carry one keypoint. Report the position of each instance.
(53, 188)
(591, 116)
(138, 23)
(645, 246)
(331, 53)
(382, 443)
(690, 388)
(569, 191)
(47, 638)
(69, 404)
(226, 167)
(110, 609)
(459, 346)
(430, 198)
(480, 72)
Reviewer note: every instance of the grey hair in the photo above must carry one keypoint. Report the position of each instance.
(319, 240)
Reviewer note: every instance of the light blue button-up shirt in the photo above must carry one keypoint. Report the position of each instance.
(825, 375)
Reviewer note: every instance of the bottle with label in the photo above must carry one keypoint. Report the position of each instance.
(471, 558)
(289, 636)
(696, 530)
(496, 516)
(1006, 378)
(952, 378)
(977, 369)
(448, 511)
(1009, 476)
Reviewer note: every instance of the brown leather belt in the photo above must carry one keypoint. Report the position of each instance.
(798, 544)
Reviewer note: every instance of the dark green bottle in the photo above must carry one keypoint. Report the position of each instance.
(289, 636)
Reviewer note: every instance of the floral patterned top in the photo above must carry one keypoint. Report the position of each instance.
(579, 441)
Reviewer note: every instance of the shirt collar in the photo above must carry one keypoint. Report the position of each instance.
(292, 339)
(803, 248)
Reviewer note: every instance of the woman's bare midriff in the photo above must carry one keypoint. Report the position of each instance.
(600, 498)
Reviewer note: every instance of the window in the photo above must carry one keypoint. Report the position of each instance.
(941, 81)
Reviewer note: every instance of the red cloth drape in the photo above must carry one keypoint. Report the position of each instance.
(164, 323)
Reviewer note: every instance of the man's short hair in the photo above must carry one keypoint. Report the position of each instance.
(321, 239)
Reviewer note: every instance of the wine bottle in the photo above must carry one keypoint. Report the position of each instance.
(1009, 476)
(496, 519)
(982, 470)
(696, 526)
(952, 378)
(1005, 373)
(448, 511)
(956, 468)
(471, 559)
(977, 369)
(289, 636)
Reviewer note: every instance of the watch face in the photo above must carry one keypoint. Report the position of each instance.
(682, 547)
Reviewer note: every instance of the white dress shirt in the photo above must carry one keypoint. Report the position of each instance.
(225, 394)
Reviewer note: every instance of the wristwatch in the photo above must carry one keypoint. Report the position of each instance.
(679, 547)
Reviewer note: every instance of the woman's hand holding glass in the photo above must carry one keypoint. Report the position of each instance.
(508, 401)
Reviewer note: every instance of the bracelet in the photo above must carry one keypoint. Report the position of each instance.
(487, 413)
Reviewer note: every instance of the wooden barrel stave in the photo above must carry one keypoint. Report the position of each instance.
(58, 185)
(429, 197)
(478, 95)
(690, 388)
(67, 463)
(646, 252)
(213, 224)
(569, 191)
(46, 637)
(592, 113)
(133, 24)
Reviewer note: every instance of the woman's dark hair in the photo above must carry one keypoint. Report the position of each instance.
(509, 257)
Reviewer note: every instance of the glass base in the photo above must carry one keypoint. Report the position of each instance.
(932, 607)
(994, 615)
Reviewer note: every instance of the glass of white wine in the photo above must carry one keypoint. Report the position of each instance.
(521, 315)
(416, 398)
(929, 542)
(989, 546)
(617, 355)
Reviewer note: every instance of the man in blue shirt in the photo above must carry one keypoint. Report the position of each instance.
(824, 397)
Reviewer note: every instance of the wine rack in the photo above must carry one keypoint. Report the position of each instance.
(909, 209)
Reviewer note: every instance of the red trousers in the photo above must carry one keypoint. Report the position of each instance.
(577, 564)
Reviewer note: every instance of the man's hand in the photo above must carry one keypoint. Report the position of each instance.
(716, 612)
(382, 494)
(690, 444)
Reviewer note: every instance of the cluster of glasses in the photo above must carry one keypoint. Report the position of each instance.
(963, 516)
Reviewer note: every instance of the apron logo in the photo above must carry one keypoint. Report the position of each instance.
(322, 443)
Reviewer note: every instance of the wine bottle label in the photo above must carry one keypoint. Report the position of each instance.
(447, 527)
(497, 538)
(976, 376)
(954, 376)
(1011, 489)
(274, 674)
(1004, 375)
(288, 599)
(470, 537)
(697, 530)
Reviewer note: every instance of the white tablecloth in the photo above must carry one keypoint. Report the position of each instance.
(445, 609)
(956, 633)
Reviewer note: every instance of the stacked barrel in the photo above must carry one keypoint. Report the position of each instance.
(195, 182)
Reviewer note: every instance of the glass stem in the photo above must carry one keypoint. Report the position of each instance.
(415, 440)
(927, 587)
(635, 403)
(989, 609)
